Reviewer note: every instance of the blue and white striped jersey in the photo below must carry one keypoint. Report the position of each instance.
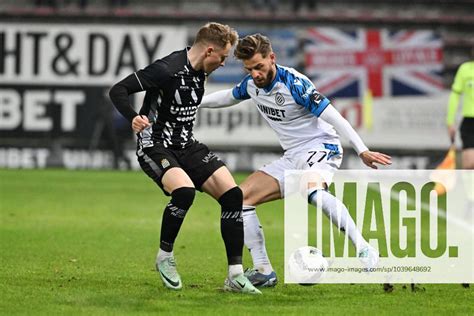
(292, 106)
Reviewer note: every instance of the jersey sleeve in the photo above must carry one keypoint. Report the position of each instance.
(218, 99)
(150, 77)
(306, 95)
(458, 82)
(456, 91)
(342, 126)
(119, 96)
(239, 92)
(154, 75)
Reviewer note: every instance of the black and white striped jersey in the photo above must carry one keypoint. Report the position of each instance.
(173, 92)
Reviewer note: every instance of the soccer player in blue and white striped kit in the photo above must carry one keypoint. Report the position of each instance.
(306, 124)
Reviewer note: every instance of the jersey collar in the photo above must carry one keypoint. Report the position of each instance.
(188, 62)
(272, 84)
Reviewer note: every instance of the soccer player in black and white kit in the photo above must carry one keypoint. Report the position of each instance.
(170, 155)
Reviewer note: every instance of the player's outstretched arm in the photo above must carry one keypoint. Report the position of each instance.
(219, 99)
(342, 126)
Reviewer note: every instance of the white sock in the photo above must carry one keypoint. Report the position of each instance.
(255, 240)
(235, 270)
(162, 255)
(339, 215)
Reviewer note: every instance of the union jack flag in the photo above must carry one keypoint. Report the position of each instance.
(348, 63)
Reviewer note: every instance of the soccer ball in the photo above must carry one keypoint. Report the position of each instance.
(307, 265)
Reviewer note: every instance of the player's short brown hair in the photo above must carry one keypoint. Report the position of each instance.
(216, 33)
(250, 45)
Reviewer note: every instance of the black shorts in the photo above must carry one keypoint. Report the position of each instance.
(197, 161)
(467, 132)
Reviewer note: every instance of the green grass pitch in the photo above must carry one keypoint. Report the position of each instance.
(84, 242)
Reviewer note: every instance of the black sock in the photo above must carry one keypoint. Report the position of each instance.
(173, 216)
(232, 226)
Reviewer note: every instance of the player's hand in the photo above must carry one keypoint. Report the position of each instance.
(139, 123)
(371, 157)
(452, 133)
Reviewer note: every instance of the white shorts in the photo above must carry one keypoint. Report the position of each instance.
(325, 157)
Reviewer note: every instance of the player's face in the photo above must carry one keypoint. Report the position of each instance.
(215, 57)
(262, 69)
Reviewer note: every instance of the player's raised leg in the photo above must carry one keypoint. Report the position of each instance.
(321, 163)
(339, 215)
(223, 188)
(258, 188)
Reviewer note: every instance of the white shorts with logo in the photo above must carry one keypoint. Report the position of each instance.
(324, 158)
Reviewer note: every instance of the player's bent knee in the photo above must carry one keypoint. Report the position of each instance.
(247, 195)
(247, 201)
(232, 199)
(247, 198)
(183, 197)
(250, 200)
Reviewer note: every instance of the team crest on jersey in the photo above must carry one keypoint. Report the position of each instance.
(165, 163)
(279, 99)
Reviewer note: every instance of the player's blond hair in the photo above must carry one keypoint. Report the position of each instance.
(216, 33)
(253, 44)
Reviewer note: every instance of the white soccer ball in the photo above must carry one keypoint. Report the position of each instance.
(307, 265)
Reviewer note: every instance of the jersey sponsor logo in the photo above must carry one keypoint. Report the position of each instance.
(279, 99)
(271, 113)
(184, 113)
